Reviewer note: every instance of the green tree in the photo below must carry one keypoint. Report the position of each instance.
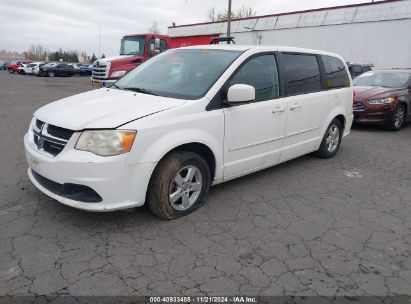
(103, 56)
(93, 58)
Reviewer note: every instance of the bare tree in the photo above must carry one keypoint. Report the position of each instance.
(36, 52)
(242, 12)
(211, 14)
(154, 28)
(245, 12)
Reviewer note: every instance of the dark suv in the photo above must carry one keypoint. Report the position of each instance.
(383, 97)
(60, 69)
(357, 69)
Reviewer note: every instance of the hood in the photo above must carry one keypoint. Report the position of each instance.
(366, 93)
(114, 58)
(123, 62)
(103, 108)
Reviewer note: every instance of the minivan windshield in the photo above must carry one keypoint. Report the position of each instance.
(383, 79)
(179, 73)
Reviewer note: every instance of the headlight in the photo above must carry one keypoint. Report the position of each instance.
(382, 101)
(106, 142)
(118, 73)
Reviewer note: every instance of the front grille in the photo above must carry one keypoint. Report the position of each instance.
(59, 132)
(74, 192)
(39, 124)
(358, 106)
(100, 70)
(49, 138)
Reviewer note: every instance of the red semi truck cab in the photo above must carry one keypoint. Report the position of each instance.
(134, 50)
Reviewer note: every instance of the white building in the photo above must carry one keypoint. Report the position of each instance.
(377, 33)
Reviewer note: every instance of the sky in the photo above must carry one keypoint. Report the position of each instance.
(74, 24)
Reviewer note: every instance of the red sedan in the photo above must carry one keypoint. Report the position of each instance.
(383, 98)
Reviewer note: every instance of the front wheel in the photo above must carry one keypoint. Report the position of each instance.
(11, 71)
(51, 74)
(179, 185)
(331, 141)
(398, 118)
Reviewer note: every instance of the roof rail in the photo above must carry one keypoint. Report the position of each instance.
(217, 40)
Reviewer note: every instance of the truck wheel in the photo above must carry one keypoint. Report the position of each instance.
(331, 140)
(179, 185)
(398, 118)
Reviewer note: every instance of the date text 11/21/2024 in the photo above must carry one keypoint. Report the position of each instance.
(203, 299)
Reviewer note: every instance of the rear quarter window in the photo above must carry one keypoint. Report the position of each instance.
(335, 73)
(301, 73)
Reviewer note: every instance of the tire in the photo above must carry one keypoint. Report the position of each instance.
(11, 71)
(331, 141)
(171, 178)
(398, 118)
(50, 74)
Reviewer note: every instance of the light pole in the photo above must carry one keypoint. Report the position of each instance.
(99, 40)
(229, 20)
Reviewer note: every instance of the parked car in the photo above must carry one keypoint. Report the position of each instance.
(20, 69)
(76, 67)
(59, 69)
(228, 111)
(36, 69)
(383, 98)
(2, 65)
(86, 70)
(13, 66)
(28, 68)
(357, 69)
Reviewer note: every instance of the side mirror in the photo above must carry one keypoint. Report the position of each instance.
(239, 93)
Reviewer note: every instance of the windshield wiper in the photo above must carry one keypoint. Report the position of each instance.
(114, 86)
(140, 90)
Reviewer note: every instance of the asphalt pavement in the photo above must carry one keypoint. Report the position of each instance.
(310, 226)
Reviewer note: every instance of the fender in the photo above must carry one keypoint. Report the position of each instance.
(338, 110)
(154, 152)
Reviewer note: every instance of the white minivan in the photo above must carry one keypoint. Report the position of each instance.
(185, 120)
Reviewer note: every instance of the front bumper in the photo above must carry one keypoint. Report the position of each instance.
(120, 186)
(103, 82)
(373, 114)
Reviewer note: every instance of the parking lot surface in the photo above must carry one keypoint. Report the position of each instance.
(311, 226)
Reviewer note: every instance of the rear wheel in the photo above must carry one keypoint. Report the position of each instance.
(11, 71)
(179, 185)
(50, 74)
(331, 140)
(398, 118)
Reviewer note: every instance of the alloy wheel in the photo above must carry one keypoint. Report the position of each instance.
(333, 138)
(399, 117)
(185, 188)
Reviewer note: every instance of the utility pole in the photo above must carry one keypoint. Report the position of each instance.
(229, 20)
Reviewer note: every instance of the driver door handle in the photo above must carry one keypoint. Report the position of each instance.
(278, 110)
(295, 106)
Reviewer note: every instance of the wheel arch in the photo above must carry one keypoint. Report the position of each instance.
(406, 108)
(342, 120)
(337, 113)
(201, 149)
